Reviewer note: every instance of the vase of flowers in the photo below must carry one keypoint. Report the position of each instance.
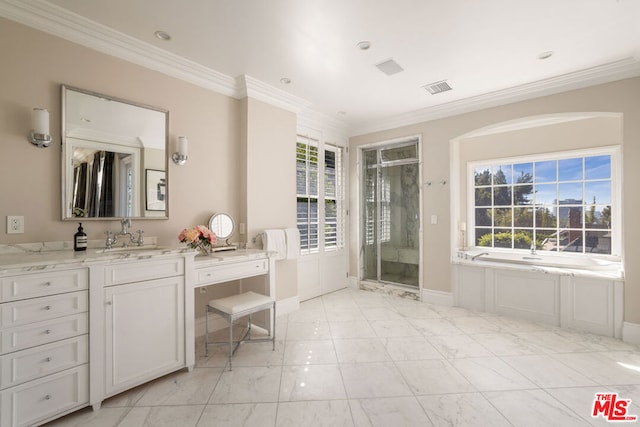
(199, 237)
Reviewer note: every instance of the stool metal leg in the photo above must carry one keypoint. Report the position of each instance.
(230, 340)
(206, 331)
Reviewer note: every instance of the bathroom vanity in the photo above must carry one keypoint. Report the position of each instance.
(77, 328)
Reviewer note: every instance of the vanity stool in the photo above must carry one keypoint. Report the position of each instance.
(235, 307)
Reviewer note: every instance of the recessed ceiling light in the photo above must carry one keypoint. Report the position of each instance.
(285, 80)
(342, 113)
(162, 35)
(364, 45)
(546, 55)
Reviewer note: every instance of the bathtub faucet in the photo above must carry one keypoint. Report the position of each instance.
(473, 258)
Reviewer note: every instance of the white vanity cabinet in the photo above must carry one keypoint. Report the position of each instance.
(44, 351)
(144, 321)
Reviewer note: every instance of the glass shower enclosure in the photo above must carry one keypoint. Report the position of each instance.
(390, 207)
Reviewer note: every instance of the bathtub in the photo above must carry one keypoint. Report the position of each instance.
(542, 260)
(573, 292)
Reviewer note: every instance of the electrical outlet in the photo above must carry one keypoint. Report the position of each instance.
(15, 224)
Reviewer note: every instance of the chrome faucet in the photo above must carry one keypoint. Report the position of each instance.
(473, 258)
(125, 223)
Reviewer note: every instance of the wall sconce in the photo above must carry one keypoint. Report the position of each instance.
(180, 158)
(39, 135)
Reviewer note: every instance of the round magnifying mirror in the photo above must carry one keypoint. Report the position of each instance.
(222, 224)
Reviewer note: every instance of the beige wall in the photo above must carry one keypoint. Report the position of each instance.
(618, 97)
(270, 180)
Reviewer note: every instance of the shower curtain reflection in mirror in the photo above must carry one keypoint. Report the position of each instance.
(102, 185)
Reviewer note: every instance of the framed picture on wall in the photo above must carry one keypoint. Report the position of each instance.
(156, 189)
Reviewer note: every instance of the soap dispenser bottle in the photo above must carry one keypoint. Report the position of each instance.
(80, 240)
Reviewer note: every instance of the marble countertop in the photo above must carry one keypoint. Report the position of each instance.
(41, 256)
(230, 256)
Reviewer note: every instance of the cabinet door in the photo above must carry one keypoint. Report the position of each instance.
(144, 331)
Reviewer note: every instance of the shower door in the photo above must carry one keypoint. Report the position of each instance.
(390, 223)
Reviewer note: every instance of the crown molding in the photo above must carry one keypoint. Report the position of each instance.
(606, 73)
(256, 89)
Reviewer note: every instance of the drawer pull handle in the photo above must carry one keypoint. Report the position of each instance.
(47, 307)
(48, 331)
(47, 283)
(48, 359)
(47, 397)
(109, 303)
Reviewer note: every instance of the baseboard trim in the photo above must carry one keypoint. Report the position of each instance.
(437, 297)
(631, 332)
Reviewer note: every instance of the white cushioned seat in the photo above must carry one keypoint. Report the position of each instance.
(241, 302)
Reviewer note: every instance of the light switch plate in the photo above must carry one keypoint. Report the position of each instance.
(15, 224)
(434, 219)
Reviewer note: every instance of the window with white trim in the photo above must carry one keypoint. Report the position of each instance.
(321, 226)
(563, 202)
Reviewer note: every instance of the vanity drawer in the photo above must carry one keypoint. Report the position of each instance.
(33, 334)
(118, 274)
(42, 399)
(227, 272)
(26, 365)
(32, 285)
(37, 309)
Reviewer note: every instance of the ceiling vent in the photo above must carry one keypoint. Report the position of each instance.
(389, 67)
(437, 87)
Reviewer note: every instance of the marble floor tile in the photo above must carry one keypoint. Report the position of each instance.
(434, 377)
(603, 368)
(462, 410)
(357, 329)
(163, 416)
(380, 313)
(181, 388)
(310, 315)
(410, 348)
(394, 328)
(551, 342)
(344, 314)
(545, 371)
(533, 408)
(364, 380)
(239, 415)
(308, 331)
(361, 350)
(458, 346)
(127, 398)
(248, 385)
(491, 374)
(326, 413)
(435, 326)
(475, 325)
(388, 411)
(508, 324)
(312, 352)
(259, 354)
(372, 299)
(312, 382)
(506, 344)
(338, 300)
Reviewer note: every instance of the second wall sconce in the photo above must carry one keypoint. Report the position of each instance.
(180, 157)
(39, 135)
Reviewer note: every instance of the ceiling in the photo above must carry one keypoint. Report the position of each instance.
(487, 51)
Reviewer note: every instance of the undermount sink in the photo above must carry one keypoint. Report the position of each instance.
(128, 249)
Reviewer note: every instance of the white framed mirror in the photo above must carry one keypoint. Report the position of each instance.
(114, 157)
